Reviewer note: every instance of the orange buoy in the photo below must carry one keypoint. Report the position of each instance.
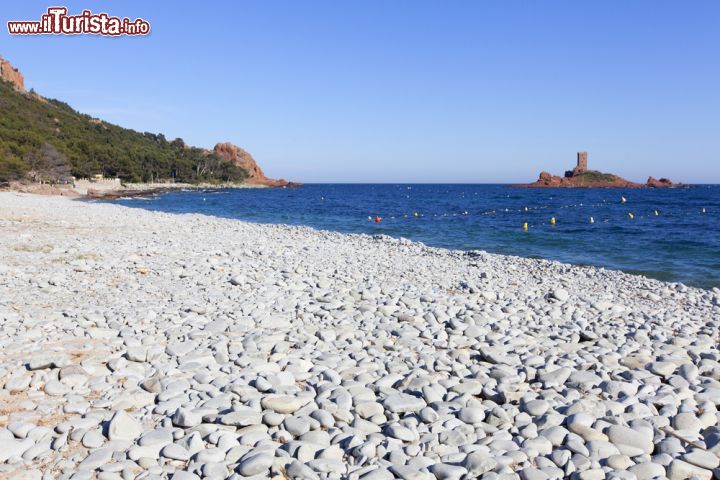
(377, 219)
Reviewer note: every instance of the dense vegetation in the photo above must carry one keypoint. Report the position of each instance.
(46, 139)
(595, 176)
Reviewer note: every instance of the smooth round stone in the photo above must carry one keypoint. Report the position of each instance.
(297, 425)
(688, 371)
(55, 388)
(560, 294)
(637, 441)
(124, 427)
(272, 419)
(282, 403)
(664, 369)
(536, 408)
(478, 463)
(242, 417)
(680, 470)
(619, 462)
(401, 433)
(186, 418)
(429, 415)
(18, 384)
(368, 409)
(444, 471)
(183, 475)
(471, 415)
(93, 439)
(530, 473)
(403, 403)
(214, 470)
(378, 474)
(12, 448)
(600, 449)
(540, 444)
(324, 417)
(702, 458)
(211, 455)
(255, 464)
(647, 470)
(687, 422)
(175, 452)
(300, 471)
(156, 437)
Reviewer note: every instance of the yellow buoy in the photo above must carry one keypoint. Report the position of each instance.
(525, 226)
(630, 216)
(526, 209)
(657, 214)
(592, 220)
(552, 221)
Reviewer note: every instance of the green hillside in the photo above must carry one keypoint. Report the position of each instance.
(46, 139)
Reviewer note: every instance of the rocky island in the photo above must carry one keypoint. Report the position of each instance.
(581, 177)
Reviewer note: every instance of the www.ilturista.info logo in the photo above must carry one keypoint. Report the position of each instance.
(57, 22)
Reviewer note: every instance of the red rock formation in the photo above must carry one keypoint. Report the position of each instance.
(244, 160)
(662, 183)
(12, 75)
(581, 177)
(589, 179)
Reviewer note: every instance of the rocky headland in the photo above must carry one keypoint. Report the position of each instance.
(582, 177)
(51, 149)
(244, 160)
(12, 75)
(139, 344)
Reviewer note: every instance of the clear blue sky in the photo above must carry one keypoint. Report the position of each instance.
(404, 91)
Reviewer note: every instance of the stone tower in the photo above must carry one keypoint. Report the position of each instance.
(581, 162)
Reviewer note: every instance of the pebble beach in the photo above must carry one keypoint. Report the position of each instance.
(148, 345)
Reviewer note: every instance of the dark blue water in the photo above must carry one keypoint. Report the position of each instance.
(681, 244)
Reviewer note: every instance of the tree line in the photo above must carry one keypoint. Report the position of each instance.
(46, 140)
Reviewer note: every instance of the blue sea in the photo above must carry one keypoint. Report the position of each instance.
(681, 243)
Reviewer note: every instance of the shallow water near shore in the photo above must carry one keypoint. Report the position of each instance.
(680, 244)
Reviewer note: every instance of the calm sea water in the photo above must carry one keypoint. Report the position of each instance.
(680, 244)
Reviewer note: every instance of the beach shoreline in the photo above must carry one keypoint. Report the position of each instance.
(135, 340)
(112, 192)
